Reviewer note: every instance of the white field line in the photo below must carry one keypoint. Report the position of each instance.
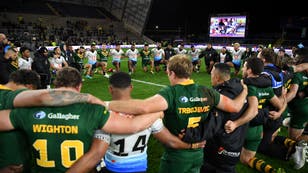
(149, 83)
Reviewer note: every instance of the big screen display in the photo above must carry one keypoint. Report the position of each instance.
(227, 26)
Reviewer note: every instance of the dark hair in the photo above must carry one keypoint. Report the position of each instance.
(223, 69)
(268, 54)
(68, 77)
(120, 80)
(25, 77)
(42, 50)
(255, 64)
(23, 49)
(302, 55)
(54, 49)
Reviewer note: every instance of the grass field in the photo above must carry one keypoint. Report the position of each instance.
(98, 86)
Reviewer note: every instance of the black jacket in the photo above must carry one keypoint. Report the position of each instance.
(214, 124)
(6, 68)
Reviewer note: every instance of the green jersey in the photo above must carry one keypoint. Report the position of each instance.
(298, 106)
(145, 55)
(301, 80)
(12, 150)
(254, 133)
(59, 135)
(102, 55)
(7, 97)
(188, 105)
(263, 94)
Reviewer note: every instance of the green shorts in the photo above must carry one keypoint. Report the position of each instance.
(299, 113)
(146, 62)
(253, 138)
(182, 161)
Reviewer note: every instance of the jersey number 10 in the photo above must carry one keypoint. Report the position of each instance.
(41, 146)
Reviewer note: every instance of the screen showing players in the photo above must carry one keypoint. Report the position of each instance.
(227, 26)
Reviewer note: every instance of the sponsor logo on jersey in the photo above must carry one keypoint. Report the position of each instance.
(39, 115)
(196, 109)
(183, 99)
(61, 116)
(263, 94)
(222, 151)
(197, 99)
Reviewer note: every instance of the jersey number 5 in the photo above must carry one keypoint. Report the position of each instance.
(41, 146)
(193, 122)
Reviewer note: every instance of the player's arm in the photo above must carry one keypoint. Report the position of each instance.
(281, 107)
(5, 121)
(292, 92)
(165, 137)
(235, 105)
(122, 125)
(248, 115)
(65, 63)
(153, 104)
(54, 97)
(300, 67)
(88, 161)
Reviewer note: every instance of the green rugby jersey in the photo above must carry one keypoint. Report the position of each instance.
(7, 97)
(13, 144)
(59, 135)
(145, 55)
(102, 55)
(253, 135)
(188, 105)
(301, 80)
(263, 94)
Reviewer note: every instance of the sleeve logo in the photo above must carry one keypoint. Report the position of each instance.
(183, 99)
(39, 115)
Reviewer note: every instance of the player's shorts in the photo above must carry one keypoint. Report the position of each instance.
(299, 113)
(94, 65)
(195, 62)
(253, 138)
(237, 66)
(133, 62)
(116, 62)
(157, 63)
(190, 162)
(146, 62)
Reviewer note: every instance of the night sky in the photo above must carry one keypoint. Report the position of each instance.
(262, 16)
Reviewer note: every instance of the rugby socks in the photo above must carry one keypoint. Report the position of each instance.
(289, 143)
(261, 166)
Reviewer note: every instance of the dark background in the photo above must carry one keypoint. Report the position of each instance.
(265, 18)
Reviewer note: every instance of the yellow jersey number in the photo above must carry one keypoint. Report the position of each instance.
(193, 122)
(41, 146)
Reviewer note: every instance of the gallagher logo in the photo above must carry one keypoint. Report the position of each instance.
(39, 115)
(183, 99)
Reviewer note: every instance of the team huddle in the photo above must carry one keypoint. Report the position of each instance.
(203, 129)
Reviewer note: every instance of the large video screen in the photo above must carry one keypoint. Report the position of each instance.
(227, 26)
